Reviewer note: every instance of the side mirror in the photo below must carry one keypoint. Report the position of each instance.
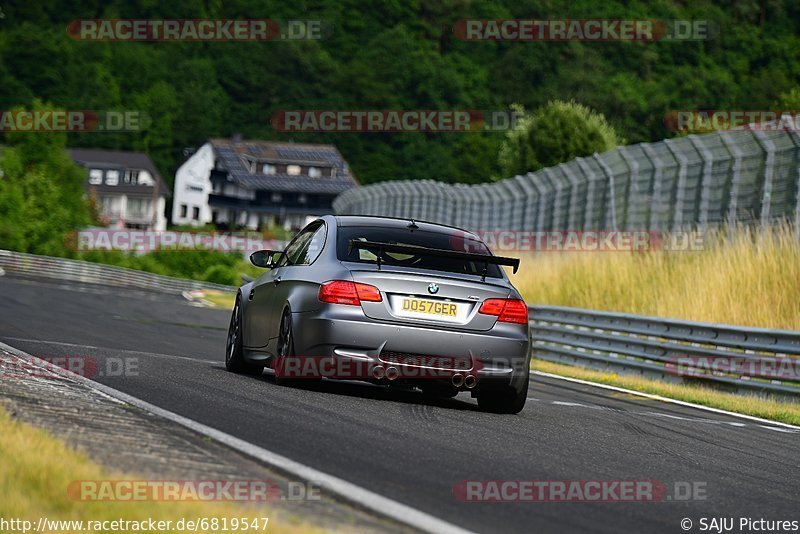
(265, 258)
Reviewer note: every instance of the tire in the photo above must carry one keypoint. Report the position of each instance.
(234, 358)
(507, 401)
(285, 350)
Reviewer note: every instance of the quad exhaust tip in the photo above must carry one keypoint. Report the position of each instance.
(470, 381)
(378, 372)
(392, 373)
(458, 380)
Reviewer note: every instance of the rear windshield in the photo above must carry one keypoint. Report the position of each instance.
(420, 238)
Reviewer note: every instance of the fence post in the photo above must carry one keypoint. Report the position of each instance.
(527, 207)
(611, 190)
(736, 179)
(633, 187)
(572, 208)
(542, 194)
(558, 191)
(769, 171)
(677, 221)
(705, 191)
(792, 126)
(654, 222)
(590, 193)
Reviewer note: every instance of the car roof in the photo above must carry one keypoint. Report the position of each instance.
(393, 222)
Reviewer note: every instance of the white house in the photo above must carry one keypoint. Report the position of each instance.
(127, 187)
(235, 183)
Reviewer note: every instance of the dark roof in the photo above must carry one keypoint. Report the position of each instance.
(90, 157)
(231, 157)
(398, 222)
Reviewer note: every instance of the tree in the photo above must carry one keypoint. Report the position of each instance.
(42, 195)
(555, 133)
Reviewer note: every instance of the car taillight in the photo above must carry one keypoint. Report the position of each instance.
(345, 292)
(506, 310)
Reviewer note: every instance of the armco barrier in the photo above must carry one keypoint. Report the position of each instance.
(752, 359)
(97, 273)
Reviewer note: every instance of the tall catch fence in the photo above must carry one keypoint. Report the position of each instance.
(747, 177)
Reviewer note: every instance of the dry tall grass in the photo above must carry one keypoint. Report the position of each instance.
(752, 279)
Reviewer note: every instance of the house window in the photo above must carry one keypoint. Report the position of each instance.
(196, 213)
(139, 208)
(130, 177)
(95, 176)
(293, 170)
(276, 197)
(184, 209)
(301, 198)
(112, 177)
(268, 168)
(314, 172)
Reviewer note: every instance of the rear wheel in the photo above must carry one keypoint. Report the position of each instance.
(234, 359)
(284, 363)
(507, 400)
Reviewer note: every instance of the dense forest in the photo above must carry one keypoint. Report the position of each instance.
(196, 90)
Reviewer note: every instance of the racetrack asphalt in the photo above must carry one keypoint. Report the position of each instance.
(411, 449)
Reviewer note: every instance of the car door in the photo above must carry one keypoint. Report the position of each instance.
(293, 276)
(260, 324)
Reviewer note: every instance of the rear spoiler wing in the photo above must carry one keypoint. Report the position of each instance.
(486, 259)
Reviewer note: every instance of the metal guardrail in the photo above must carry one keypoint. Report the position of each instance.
(97, 273)
(752, 359)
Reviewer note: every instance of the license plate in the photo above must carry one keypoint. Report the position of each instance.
(429, 307)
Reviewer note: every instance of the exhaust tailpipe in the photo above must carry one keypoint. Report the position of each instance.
(392, 373)
(470, 381)
(458, 380)
(378, 372)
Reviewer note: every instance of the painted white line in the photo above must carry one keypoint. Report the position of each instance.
(694, 420)
(108, 349)
(667, 400)
(352, 493)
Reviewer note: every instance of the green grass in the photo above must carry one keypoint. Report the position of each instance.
(753, 280)
(219, 299)
(37, 470)
(775, 409)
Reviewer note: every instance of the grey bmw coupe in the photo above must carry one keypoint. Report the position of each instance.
(389, 301)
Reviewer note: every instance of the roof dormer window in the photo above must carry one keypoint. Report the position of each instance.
(268, 168)
(314, 172)
(293, 170)
(96, 176)
(112, 177)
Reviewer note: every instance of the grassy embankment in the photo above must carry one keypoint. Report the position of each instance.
(38, 469)
(751, 280)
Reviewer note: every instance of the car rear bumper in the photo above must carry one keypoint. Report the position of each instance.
(348, 340)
